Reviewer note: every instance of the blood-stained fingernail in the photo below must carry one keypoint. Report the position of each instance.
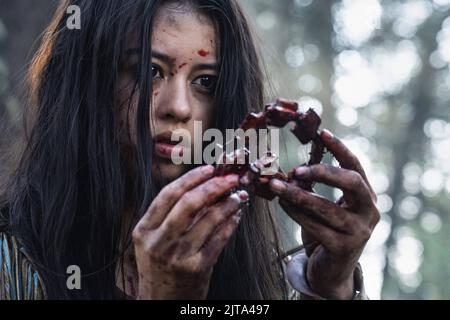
(301, 171)
(243, 195)
(244, 198)
(277, 186)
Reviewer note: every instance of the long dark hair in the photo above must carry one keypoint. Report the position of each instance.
(68, 195)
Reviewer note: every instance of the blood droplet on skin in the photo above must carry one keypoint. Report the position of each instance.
(182, 65)
(156, 93)
(203, 52)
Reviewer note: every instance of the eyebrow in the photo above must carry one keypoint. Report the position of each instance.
(170, 61)
(163, 57)
(207, 66)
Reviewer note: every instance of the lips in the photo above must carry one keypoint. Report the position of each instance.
(165, 147)
(166, 151)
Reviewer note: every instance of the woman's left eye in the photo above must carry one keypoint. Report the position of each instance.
(207, 82)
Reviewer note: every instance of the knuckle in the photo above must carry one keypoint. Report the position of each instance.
(216, 216)
(198, 268)
(333, 170)
(362, 232)
(170, 224)
(154, 207)
(213, 185)
(317, 170)
(168, 189)
(202, 268)
(315, 208)
(136, 237)
(171, 191)
(213, 188)
(346, 221)
(188, 201)
(295, 194)
(355, 180)
(181, 184)
(138, 234)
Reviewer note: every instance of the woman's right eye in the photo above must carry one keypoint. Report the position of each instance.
(157, 72)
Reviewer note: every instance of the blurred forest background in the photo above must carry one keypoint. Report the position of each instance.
(377, 70)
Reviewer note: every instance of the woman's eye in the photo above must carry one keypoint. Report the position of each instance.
(156, 72)
(206, 82)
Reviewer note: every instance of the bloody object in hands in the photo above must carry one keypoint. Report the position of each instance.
(277, 114)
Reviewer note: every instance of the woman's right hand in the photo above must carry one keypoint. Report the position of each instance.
(179, 239)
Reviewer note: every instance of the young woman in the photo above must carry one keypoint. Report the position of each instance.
(96, 189)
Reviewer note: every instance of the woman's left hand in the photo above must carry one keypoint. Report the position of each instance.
(334, 234)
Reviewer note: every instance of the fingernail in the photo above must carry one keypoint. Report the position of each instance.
(243, 195)
(301, 171)
(328, 133)
(236, 198)
(277, 186)
(244, 198)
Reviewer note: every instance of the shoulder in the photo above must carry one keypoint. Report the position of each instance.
(18, 278)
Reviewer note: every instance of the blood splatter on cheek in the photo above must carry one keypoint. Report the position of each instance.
(203, 52)
(156, 93)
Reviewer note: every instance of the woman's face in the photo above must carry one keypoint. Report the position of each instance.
(184, 59)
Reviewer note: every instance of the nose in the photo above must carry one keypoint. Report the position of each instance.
(173, 103)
